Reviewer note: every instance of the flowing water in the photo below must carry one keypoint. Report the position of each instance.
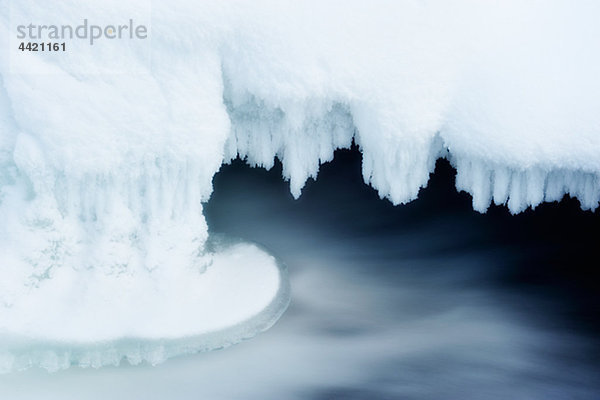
(429, 300)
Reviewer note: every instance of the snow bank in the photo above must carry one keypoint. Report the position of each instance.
(108, 151)
(91, 318)
(508, 92)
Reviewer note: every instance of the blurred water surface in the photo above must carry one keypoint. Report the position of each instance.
(429, 300)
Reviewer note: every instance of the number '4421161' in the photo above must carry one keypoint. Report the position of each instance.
(44, 46)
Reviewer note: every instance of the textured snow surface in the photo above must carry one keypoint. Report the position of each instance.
(96, 318)
(107, 152)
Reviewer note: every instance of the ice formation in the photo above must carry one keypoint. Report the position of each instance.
(108, 151)
(94, 318)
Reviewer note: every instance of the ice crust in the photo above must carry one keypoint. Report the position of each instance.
(92, 319)
(103, 173)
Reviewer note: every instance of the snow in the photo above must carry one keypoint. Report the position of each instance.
(107, 152)
(94, 318)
